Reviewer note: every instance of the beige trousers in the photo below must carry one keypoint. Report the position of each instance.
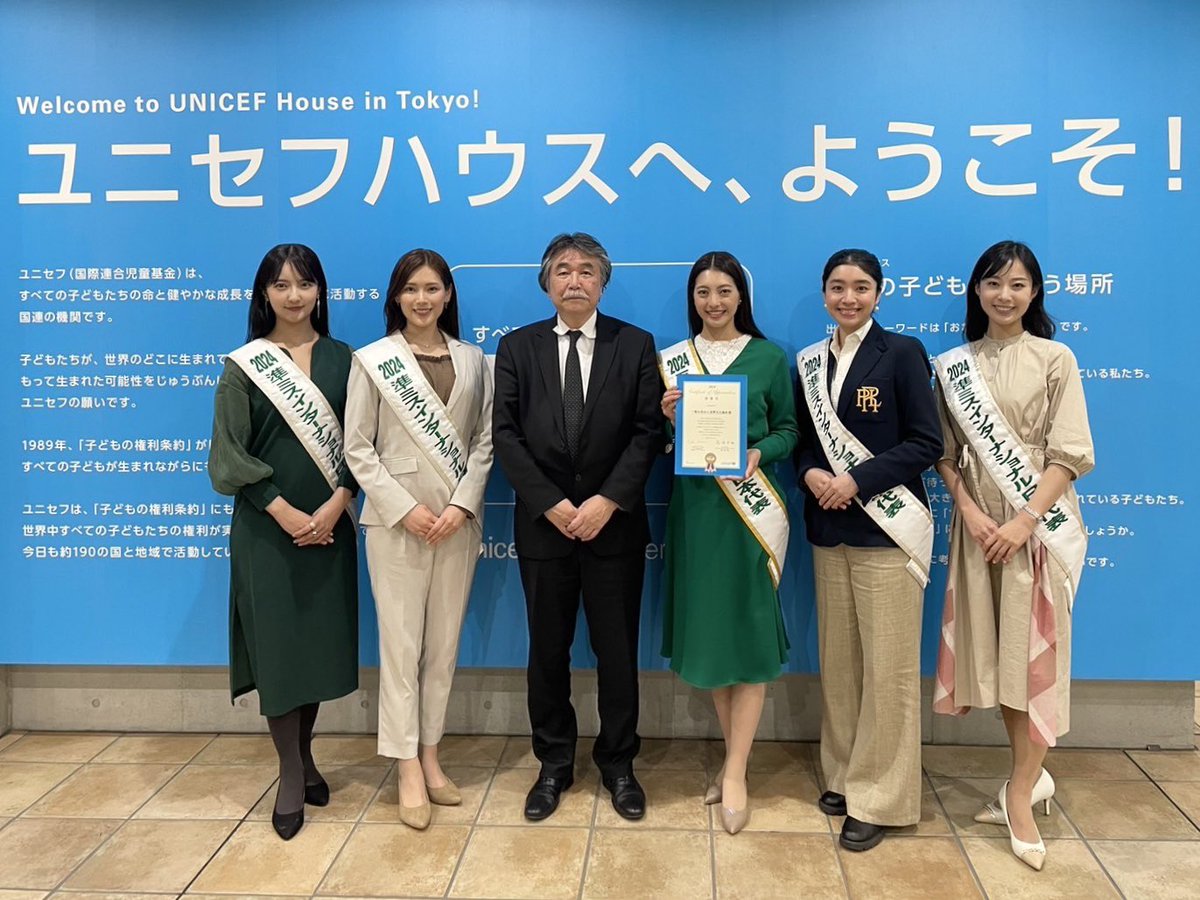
(420, 600)
(869, 628)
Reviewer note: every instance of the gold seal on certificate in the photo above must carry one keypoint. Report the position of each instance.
(711, 425)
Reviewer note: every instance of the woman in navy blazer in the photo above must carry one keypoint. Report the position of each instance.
(869, 584)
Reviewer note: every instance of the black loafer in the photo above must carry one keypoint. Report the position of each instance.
(628, 798)
(859, 835)
(542, 799)
(832, 803)
(317, 794)
(286, 825)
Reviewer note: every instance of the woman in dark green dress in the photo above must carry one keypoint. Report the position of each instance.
(723, 627)
(293, 587)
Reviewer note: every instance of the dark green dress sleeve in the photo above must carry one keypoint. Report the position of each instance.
(782, 430)
(231, 468)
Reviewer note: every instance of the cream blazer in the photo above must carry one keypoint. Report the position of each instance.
(389, 465)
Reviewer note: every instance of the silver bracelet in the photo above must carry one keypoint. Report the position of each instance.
(1031, 512)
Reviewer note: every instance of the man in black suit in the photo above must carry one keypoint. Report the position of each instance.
(576, 428)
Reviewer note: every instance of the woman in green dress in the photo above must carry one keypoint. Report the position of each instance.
(722, 625)
(293, 586)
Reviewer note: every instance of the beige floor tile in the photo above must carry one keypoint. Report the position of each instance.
(784, 801)
(151, 856)
(76, 748)
(190, 895)
(11, 738)
(1186, 795)
(674, 799)
(672, 754)
(1070, 873)
(154, 748)
(22, 895)
(505, 801)
(933, 819)
(1169, 765)
(754, 866)
(238, 750)
(471, 749)
(779, 756)
(350, 790)
(1098, 765)
(110, 895)
(909, 867)
(967, 762)
(40, 853)
(472, 781)
(521, 862)
(4, 822)
(1123, 810)
(347, 750)
(1152, 870)
(658, 864)
(211, 792)
(104, 792)
(396, 861)
(22, 784)
(254, 859)
(963, 797)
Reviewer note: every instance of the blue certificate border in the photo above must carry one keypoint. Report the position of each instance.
(680, 468)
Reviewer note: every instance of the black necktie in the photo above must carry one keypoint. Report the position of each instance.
(572, 398)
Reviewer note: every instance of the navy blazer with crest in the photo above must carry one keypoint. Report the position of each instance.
(900, 428)
(622, 434)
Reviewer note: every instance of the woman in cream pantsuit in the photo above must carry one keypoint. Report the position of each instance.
(423, 513)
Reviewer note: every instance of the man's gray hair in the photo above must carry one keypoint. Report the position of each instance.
(585, 244)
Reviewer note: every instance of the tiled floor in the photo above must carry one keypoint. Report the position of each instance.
(103, 815)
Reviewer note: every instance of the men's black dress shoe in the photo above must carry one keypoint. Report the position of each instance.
(628, 798)
(832, 803)
(859, 835)
(287, 824)
(542, 799)
(317, 794)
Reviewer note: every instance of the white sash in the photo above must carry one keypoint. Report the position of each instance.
(754, 499)
(298, 400)
(899, 512)
(1006, 459)
(392, 367)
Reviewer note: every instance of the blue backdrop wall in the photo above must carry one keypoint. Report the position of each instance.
(151, 152)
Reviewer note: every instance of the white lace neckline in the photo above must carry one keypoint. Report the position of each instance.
(719, 355)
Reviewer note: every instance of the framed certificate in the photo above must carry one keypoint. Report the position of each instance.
(710, 425)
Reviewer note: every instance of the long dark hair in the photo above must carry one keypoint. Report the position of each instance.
(862, 259)
(306, 265)
(406, 266)
(721, 261)
(996, 258)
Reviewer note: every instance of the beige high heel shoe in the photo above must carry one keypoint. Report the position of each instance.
(1043, 790)
(734, 820)
(417, 817)
(1033, 855)
(713, 794)
(446, 795)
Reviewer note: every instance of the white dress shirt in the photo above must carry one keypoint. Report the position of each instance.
(586, 347)
(844, 357)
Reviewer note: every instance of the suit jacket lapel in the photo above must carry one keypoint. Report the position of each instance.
(547, 357)
(461, 357)
(602, 360)
(865, 360)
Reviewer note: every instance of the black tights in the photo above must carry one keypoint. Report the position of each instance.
(292, 734)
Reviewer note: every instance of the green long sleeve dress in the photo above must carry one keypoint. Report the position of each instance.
(722, 622)
(293, 611)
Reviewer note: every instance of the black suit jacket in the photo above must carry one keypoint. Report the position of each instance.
(903, 434)
(622, 434)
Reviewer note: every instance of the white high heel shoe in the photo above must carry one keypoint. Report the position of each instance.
(1043, 790)
(1033, 855)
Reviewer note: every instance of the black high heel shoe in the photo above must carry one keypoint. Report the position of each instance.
(286, 825)
(317, 794)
